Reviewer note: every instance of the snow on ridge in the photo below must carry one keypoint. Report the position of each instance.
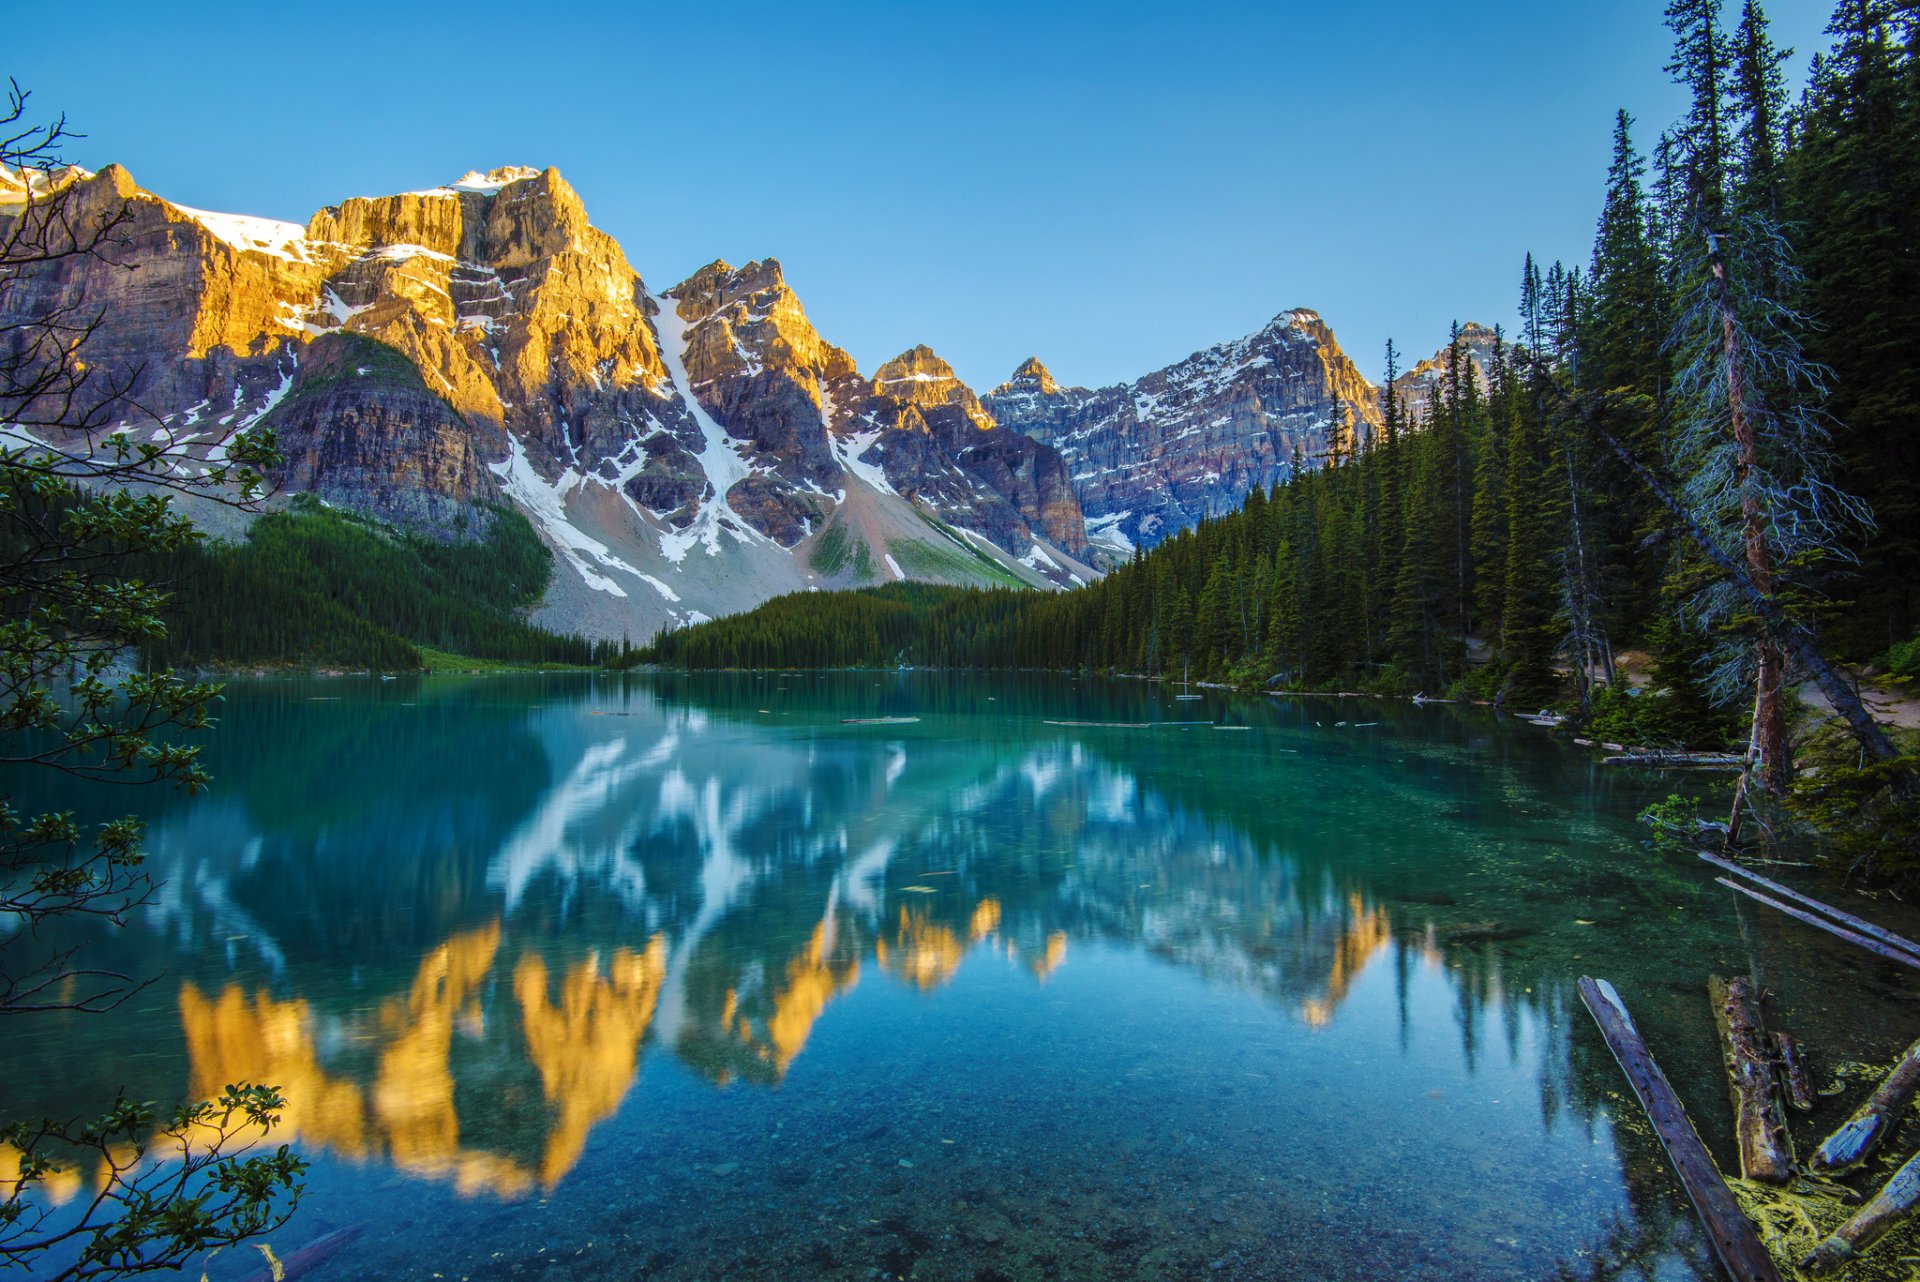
(249, 234)
(486, 183)
(17, 185)
(493, 179)
(849, 449)
(546, 504)
(719, 458)
(1105, 531)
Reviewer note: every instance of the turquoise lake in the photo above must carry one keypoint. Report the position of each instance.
(578, 977)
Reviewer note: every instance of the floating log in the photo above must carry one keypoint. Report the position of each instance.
(1759, 1122)
(1874, 1120)
(878, 721)
(1793, 1072)
(1866, 928)
(1871, 945)
(1676, 760)
(1893, 1203)
(1728, 1229)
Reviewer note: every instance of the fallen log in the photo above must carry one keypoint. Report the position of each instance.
(1759, 1122)
(1893, 1203)
(1866, 928)
(1871, 945)
(1874, 1120)
(1793, 1072)
(1677, 760)
(1728, 1229)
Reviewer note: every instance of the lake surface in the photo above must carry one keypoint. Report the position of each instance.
(580, 977)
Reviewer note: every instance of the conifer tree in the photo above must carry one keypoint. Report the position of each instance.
(1752, 445)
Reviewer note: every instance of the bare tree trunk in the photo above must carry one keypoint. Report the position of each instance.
(1773, 751)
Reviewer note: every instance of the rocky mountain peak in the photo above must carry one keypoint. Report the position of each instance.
(919, 377)
(1416, 387)
(1030, 376)
(720, 285)
(1154, 456)
(746, 320)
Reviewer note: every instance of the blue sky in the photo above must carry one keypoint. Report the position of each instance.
(1108, 186)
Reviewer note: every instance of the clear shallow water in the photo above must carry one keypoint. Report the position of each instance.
(573, 977)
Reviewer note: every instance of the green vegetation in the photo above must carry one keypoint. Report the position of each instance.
(945, 562)
(981, 563)
(1903, 660)
(897, 623)
(77, 531)
(316, 585)
(837, 550)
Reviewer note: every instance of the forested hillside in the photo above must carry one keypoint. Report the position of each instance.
(314, 585)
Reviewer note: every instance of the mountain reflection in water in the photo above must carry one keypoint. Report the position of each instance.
(457, 921)
(762, 889)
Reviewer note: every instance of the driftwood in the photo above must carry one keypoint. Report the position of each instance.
(1677, 760)
(1728, 1229)
(1848, 920)
(1793, 1072)
(1874, 1120)
(1759, 1122)
(1893, 1203)
(1871, 945)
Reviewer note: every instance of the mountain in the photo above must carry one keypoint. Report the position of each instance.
(1152, 457)
(427, 356)
(1415, 387)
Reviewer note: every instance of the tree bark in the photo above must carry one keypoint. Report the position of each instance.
(1793, 1072)
(1759, 1122)
(1773, 751)
(1893, 1203)
(1874, 1120)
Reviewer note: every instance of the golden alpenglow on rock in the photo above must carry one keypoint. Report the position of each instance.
(919, 377)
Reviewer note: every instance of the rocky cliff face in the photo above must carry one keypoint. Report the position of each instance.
(424, 354)
(1189, 441)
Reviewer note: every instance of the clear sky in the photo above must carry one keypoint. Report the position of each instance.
(1109, 186)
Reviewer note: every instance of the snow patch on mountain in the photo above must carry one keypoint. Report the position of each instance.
(256, 235)
(850, 449)
(1106, 531)
(545, 502)
(720, 459)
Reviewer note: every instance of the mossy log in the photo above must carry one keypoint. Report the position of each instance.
(1759, 1120)
(1874, 1120)
(1893, 1203)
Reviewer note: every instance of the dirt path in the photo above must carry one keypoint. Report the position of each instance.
(1891, 706)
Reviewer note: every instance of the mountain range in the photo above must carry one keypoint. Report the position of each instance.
(429, 356)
